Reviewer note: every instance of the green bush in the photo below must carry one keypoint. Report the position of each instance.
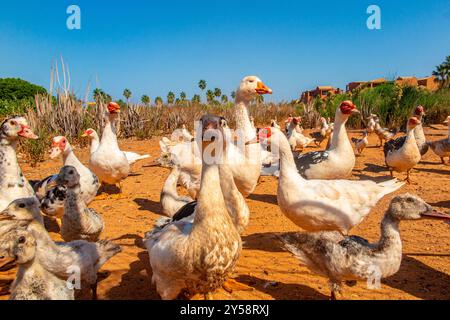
(18, 89)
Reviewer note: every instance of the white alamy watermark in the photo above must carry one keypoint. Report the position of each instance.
(374, 20)
(73, 21)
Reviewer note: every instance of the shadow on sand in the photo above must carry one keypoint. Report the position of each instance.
(420, 280)
(282, 291)
(268, 198)
(148, 205)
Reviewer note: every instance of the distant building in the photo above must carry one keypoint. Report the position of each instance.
(427, 82)
(367, 84)
(407, 81)
(320, 91)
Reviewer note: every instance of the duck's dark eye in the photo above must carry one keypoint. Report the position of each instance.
(21, 239)
(12, 122)
(22, 205)
(410, 200)
(71, 172)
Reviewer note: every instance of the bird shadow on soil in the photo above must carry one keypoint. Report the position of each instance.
(282, 291)
(266, 241)
(136, 283)
(442, 204)
(148, 205)
(365, 177)
(268, 198)
(138, 241)
(436, 171)
(420, 280)
(108, 189)
(374, 168)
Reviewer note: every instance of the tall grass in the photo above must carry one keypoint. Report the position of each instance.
(66, 115)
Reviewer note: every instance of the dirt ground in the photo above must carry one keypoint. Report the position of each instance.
(264, 265)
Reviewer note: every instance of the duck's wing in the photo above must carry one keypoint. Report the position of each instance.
(356, 245)
(185, 211)
(316, 250)
(393, 145)
(54, 200)
(306, 160)
(40, 187)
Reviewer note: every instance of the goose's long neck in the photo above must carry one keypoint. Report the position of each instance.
(109, 135)
(390, 235)
(235, 202)
(95, 142)
(211, 204)
(410, 135)
(243, 122)
(170, 186)
(287, 163)
(73, 204)
(339, 138)
(69, 157)
(10, 172)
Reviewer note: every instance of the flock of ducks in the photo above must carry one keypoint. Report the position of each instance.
(194, 248)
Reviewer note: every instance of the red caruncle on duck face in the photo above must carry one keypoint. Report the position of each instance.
(348, 107)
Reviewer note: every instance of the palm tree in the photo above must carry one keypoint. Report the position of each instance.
(233, 94)
(224, 98)
(183, 96)
(127, 94)
(195, 98)
(442, 73)
(217, 92)
(145, 99)
(202, 84)
(158, 101)
(170, 97)
(99, 94)
(209, 96)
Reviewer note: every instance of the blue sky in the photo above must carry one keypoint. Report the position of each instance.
(152, 47)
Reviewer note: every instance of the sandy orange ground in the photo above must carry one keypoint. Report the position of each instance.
(264, 265)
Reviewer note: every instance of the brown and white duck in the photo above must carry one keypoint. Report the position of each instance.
(352, 258)
(198, 255)
(419, 135)
(336, 162)
(403, 156)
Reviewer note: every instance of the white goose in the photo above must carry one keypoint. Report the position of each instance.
(108, 162)
(245, 163)
(338, 160)
(89, 183)
(132, 157)
(324, 205)
(13, 185)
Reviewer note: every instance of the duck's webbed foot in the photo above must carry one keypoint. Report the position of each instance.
(232, 285)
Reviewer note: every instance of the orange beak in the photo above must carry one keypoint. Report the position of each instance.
(261, 88)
